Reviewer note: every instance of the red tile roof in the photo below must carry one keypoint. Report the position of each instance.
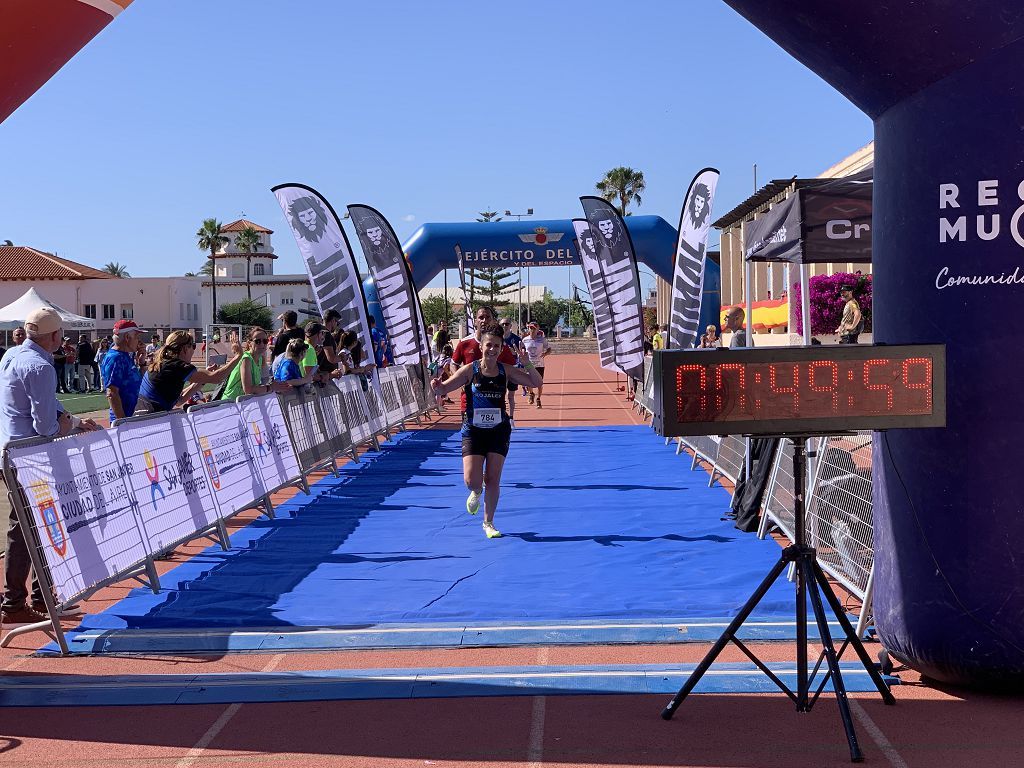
(19, 262)
(238, 226)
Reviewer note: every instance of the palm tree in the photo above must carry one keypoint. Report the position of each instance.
(248, 241)
(623, 183)
(116, 268)
(191, 274)
(8, 242)
(210, 238)
(207, 269)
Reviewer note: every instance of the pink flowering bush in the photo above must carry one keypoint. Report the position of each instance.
(827, 304)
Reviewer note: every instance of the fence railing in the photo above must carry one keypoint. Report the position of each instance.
(839, 502)
(100, 507)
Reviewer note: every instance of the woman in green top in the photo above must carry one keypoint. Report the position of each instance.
(314, 342)
(246, 377)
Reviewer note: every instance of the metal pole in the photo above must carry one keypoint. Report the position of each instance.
(447, 307)
(805, 301)
(520, 313)
(528, 287)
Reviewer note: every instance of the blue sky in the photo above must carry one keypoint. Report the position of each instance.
(428, 111)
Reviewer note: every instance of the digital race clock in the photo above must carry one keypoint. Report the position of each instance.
(799, 390)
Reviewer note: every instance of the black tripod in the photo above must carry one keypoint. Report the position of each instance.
(810, 582)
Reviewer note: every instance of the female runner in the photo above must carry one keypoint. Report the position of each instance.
(486, 431)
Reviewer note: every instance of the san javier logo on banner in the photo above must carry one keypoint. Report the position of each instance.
(76, 490)
(975, 212)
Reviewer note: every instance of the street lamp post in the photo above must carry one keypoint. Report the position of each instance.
(519, 217)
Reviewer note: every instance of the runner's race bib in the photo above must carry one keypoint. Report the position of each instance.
(486, 418)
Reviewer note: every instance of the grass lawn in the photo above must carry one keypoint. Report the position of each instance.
(96, 401)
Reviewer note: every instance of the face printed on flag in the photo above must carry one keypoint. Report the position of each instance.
(691, 248)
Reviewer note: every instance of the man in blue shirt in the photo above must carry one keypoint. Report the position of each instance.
(29, 408)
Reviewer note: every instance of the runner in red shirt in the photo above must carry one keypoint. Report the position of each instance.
(468, 349)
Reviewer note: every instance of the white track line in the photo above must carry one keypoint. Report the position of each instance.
(877, 735)
(535, 753)
(214, 730)
(612, 392)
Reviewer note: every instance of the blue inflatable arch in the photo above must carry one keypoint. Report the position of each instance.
(947, 239)
(535, 243)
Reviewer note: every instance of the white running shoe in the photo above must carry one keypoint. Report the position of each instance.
(491, 532)
(473, 502)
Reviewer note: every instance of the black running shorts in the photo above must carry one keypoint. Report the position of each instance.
(480, 442)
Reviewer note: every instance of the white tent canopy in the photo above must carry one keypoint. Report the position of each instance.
(13, 315)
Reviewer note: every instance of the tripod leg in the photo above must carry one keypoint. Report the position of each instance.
(807, 574)
(851, 634)
(723, 641)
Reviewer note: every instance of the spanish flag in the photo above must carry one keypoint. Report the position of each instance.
(773, 313)
(38, 37)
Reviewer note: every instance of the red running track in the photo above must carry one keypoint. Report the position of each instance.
(931, 727)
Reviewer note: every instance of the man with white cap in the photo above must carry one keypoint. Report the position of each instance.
(29, 408)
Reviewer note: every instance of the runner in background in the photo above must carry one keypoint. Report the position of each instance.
(513, 342)
(486, 429)
(468, 349)
(537, 347)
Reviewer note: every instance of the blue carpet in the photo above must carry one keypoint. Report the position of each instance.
(599, 523)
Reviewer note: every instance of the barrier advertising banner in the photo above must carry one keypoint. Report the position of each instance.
(466, 304)
(587, 246)
(691, 251)
(308, 435)
(227, 457)
(267, 433)
(162, 457)
(76, 493)
(616, 259)
(355, 409)
(393, 278)
(329, 401)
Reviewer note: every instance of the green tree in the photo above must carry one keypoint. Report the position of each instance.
(548, 311)
(246, 312)
(623, 183)
(210, 237)
(207, 269)
(8, 242)
(116, 268)
(437, 310)
(248, 241)
(487, 286)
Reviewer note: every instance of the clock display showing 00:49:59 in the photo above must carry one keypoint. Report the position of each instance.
(735, 391)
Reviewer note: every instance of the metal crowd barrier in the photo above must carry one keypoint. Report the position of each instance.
(732, 452)
(839, 502)
(839, 516)
(99, 507)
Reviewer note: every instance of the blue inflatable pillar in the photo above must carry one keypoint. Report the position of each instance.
(940, 81)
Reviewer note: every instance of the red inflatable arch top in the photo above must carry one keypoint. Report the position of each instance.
(38, 37)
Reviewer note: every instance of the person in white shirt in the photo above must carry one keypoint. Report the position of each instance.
(537, 348)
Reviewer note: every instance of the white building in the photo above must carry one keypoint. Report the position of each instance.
(155, 303)
(278, 292)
